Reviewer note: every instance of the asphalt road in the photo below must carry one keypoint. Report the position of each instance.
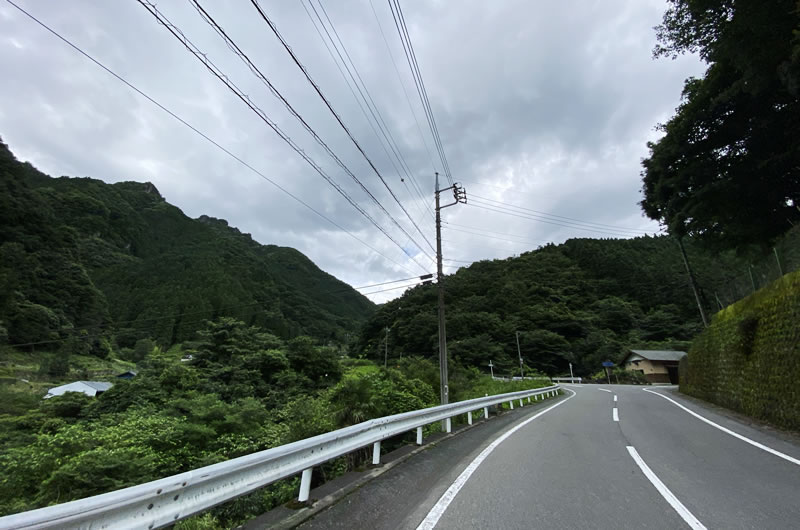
(576, 466)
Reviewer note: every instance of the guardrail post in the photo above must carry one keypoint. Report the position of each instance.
(486, 412)
(529, 399)
(305, 485)
(448, 425)
(511, 404)
(469, 418)
(520, 402)
(376, 453)
(419, 435)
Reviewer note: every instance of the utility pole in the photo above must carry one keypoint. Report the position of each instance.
(571, 377)
(386, 348)
(491, 368)
(752, 281)
(693, 283)
(460, 196)
(519, 354)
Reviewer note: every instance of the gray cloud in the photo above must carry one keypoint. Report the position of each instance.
(540, 104)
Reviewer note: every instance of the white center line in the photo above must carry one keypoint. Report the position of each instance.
(673, 501)
(604, 390)
(615, 398)
(615, 414)
(728, 431)
(444, 501)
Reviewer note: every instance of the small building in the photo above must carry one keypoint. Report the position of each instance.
(90, 388)
(657, 366)
(130, 374)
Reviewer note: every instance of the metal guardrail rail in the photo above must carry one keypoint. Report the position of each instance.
(163, 502)
(567, 380)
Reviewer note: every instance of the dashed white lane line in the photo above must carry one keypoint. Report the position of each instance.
(615, 414)
(444, 501)
(615, 398)
(728, 431)
(673, 501)
(604, 390)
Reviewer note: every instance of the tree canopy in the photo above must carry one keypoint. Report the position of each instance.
(728, 165)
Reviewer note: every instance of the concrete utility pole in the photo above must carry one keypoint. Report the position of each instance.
(693, 283)
(519, 354)
(571, 377)
(460, 196)
(491, 368)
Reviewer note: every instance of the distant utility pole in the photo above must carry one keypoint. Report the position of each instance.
(693, 283)
(460, 196)
(519, 354)
(752, 281)
(386, 348)
(491, 368)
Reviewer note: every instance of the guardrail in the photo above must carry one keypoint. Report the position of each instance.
(566, 379)
(163, 502)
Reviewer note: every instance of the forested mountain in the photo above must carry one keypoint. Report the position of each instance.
(583, 302)
(89, 264)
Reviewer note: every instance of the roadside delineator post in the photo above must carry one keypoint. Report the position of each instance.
(419, 435)
(376, 453)
(305, 485)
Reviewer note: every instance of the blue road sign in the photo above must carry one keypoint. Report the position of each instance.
(608, 364)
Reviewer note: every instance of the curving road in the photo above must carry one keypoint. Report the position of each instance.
(599, 457)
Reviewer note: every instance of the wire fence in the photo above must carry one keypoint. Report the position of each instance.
(783, 259)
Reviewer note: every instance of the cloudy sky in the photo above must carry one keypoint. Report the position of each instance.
(543, 109)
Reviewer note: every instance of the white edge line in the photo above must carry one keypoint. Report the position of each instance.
(604, 390)
(673, 501)
(728, 431)
(615, 414)
(447, 497)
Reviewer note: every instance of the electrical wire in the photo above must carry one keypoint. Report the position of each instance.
(385, 130)
(255, 71)
(205, 136)
(580, 221)
(328, 104)
(211, 67)
(402, 85)
(408, 49)
(492, 208)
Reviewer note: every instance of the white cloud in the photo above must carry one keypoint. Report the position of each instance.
(553, 101)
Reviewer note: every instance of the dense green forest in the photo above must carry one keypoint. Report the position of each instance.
(90, 267)
(584, 301)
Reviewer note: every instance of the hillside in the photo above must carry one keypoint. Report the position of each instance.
(86, 265)
(582, 302)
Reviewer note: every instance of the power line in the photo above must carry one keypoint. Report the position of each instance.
(402, 85)
(204, 136)
(368, 100)
(493, 208)
(255, 71)
(523, 239)
(348, 83)
(339, 120)
(546, 214)
(203, 58)
(408, 49)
